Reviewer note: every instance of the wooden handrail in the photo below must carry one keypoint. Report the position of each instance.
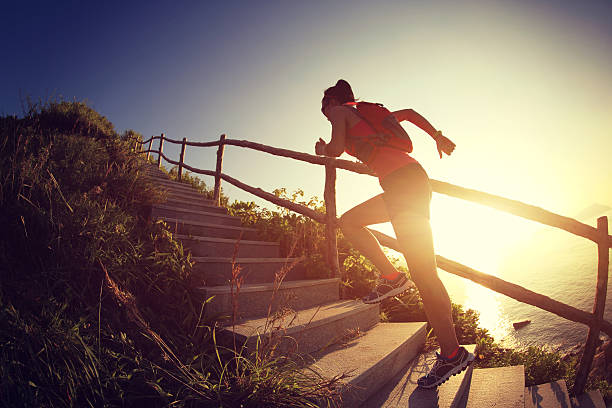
(599, 235)
(506, 288)
(298, 208)
(515, 207)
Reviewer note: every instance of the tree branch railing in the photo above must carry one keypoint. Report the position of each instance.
(594, 320)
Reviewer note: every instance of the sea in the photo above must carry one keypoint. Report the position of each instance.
(552, 262)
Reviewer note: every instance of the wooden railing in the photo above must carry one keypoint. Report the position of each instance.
(594, 320)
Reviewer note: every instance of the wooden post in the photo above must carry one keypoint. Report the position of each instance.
(330, 228)
(181, 160)
(603, 263)
(149, 148)
(217, 191)
(160, 151)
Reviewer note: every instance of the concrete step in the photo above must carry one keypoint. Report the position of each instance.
(173, 185)
(216, 271)
(165, 211)
(194, 204)
(550, 395)
(204, 229)
(303, 331)
(371, 359)
(223, 247)
(182, 192)
(257, 300)
(156, 174)
(402, 389)
(590, 399)
(188, 196)
(501, 387)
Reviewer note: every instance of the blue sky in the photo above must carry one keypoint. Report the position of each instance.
(523, 87)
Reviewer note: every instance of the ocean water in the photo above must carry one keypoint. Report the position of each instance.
(551, 262)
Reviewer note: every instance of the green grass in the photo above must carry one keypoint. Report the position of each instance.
(96, 302)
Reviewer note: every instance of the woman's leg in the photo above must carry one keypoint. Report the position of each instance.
(353, 224)
(414, 235)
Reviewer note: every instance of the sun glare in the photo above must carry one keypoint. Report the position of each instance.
(475, 235)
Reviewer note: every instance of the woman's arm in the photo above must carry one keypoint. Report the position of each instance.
(336, 146)
(414, 117)
(444, 144)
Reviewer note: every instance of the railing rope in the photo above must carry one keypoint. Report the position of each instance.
(599, 235)
(506, 288)
(298, 208)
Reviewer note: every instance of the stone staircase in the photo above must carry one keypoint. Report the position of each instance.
(333, 336)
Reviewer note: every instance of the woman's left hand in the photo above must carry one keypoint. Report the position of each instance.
(320, 147)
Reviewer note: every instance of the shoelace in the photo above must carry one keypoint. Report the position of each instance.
(428, 365)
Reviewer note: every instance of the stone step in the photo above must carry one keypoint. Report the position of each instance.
(193, 196)
(216, 271)
(165, 211)
(204, 229)
(156, 174)
(402, 390)
(194, 204)
(370, 360)
(173, 185)
(223, 247)
(501, 387)
(302, 331)
(589, 399)
(550, 395)
(257, 300)
(182, 192)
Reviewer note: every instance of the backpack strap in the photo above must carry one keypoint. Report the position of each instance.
(359, 115)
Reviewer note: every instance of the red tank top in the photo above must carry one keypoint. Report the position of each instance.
(386, 160)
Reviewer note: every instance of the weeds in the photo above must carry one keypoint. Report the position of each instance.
(96, 302)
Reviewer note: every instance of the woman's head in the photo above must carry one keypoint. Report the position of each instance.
(337, 95)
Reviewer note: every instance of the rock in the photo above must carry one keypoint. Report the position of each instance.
(522, 323)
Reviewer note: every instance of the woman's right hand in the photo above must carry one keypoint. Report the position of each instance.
(444, 144)
(320, 147)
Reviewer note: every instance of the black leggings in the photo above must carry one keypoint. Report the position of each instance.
(407, 189)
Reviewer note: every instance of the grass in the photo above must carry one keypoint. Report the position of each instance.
(96, 302)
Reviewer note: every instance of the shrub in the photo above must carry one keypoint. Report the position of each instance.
(96, 306)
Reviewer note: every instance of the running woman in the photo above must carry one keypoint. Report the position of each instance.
(405, 203)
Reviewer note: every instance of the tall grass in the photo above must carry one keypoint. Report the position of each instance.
(97, 307)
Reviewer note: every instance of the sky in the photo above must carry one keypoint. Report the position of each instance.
(524, 88)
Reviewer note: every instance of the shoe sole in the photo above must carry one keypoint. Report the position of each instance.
(469, 360)
(393, 292)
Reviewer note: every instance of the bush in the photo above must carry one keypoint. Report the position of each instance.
(96, 305)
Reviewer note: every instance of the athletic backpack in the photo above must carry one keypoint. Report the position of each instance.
(386, 129)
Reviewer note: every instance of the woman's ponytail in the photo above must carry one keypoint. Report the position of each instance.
(342, 92)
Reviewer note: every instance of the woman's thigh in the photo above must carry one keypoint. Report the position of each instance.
(372, 211)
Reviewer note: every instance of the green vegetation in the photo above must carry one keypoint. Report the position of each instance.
(96, 305)
(300, 236)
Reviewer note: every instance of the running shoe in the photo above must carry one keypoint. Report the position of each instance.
(386, 288)
(444, 368)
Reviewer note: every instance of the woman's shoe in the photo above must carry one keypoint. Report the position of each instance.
(387, 288)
